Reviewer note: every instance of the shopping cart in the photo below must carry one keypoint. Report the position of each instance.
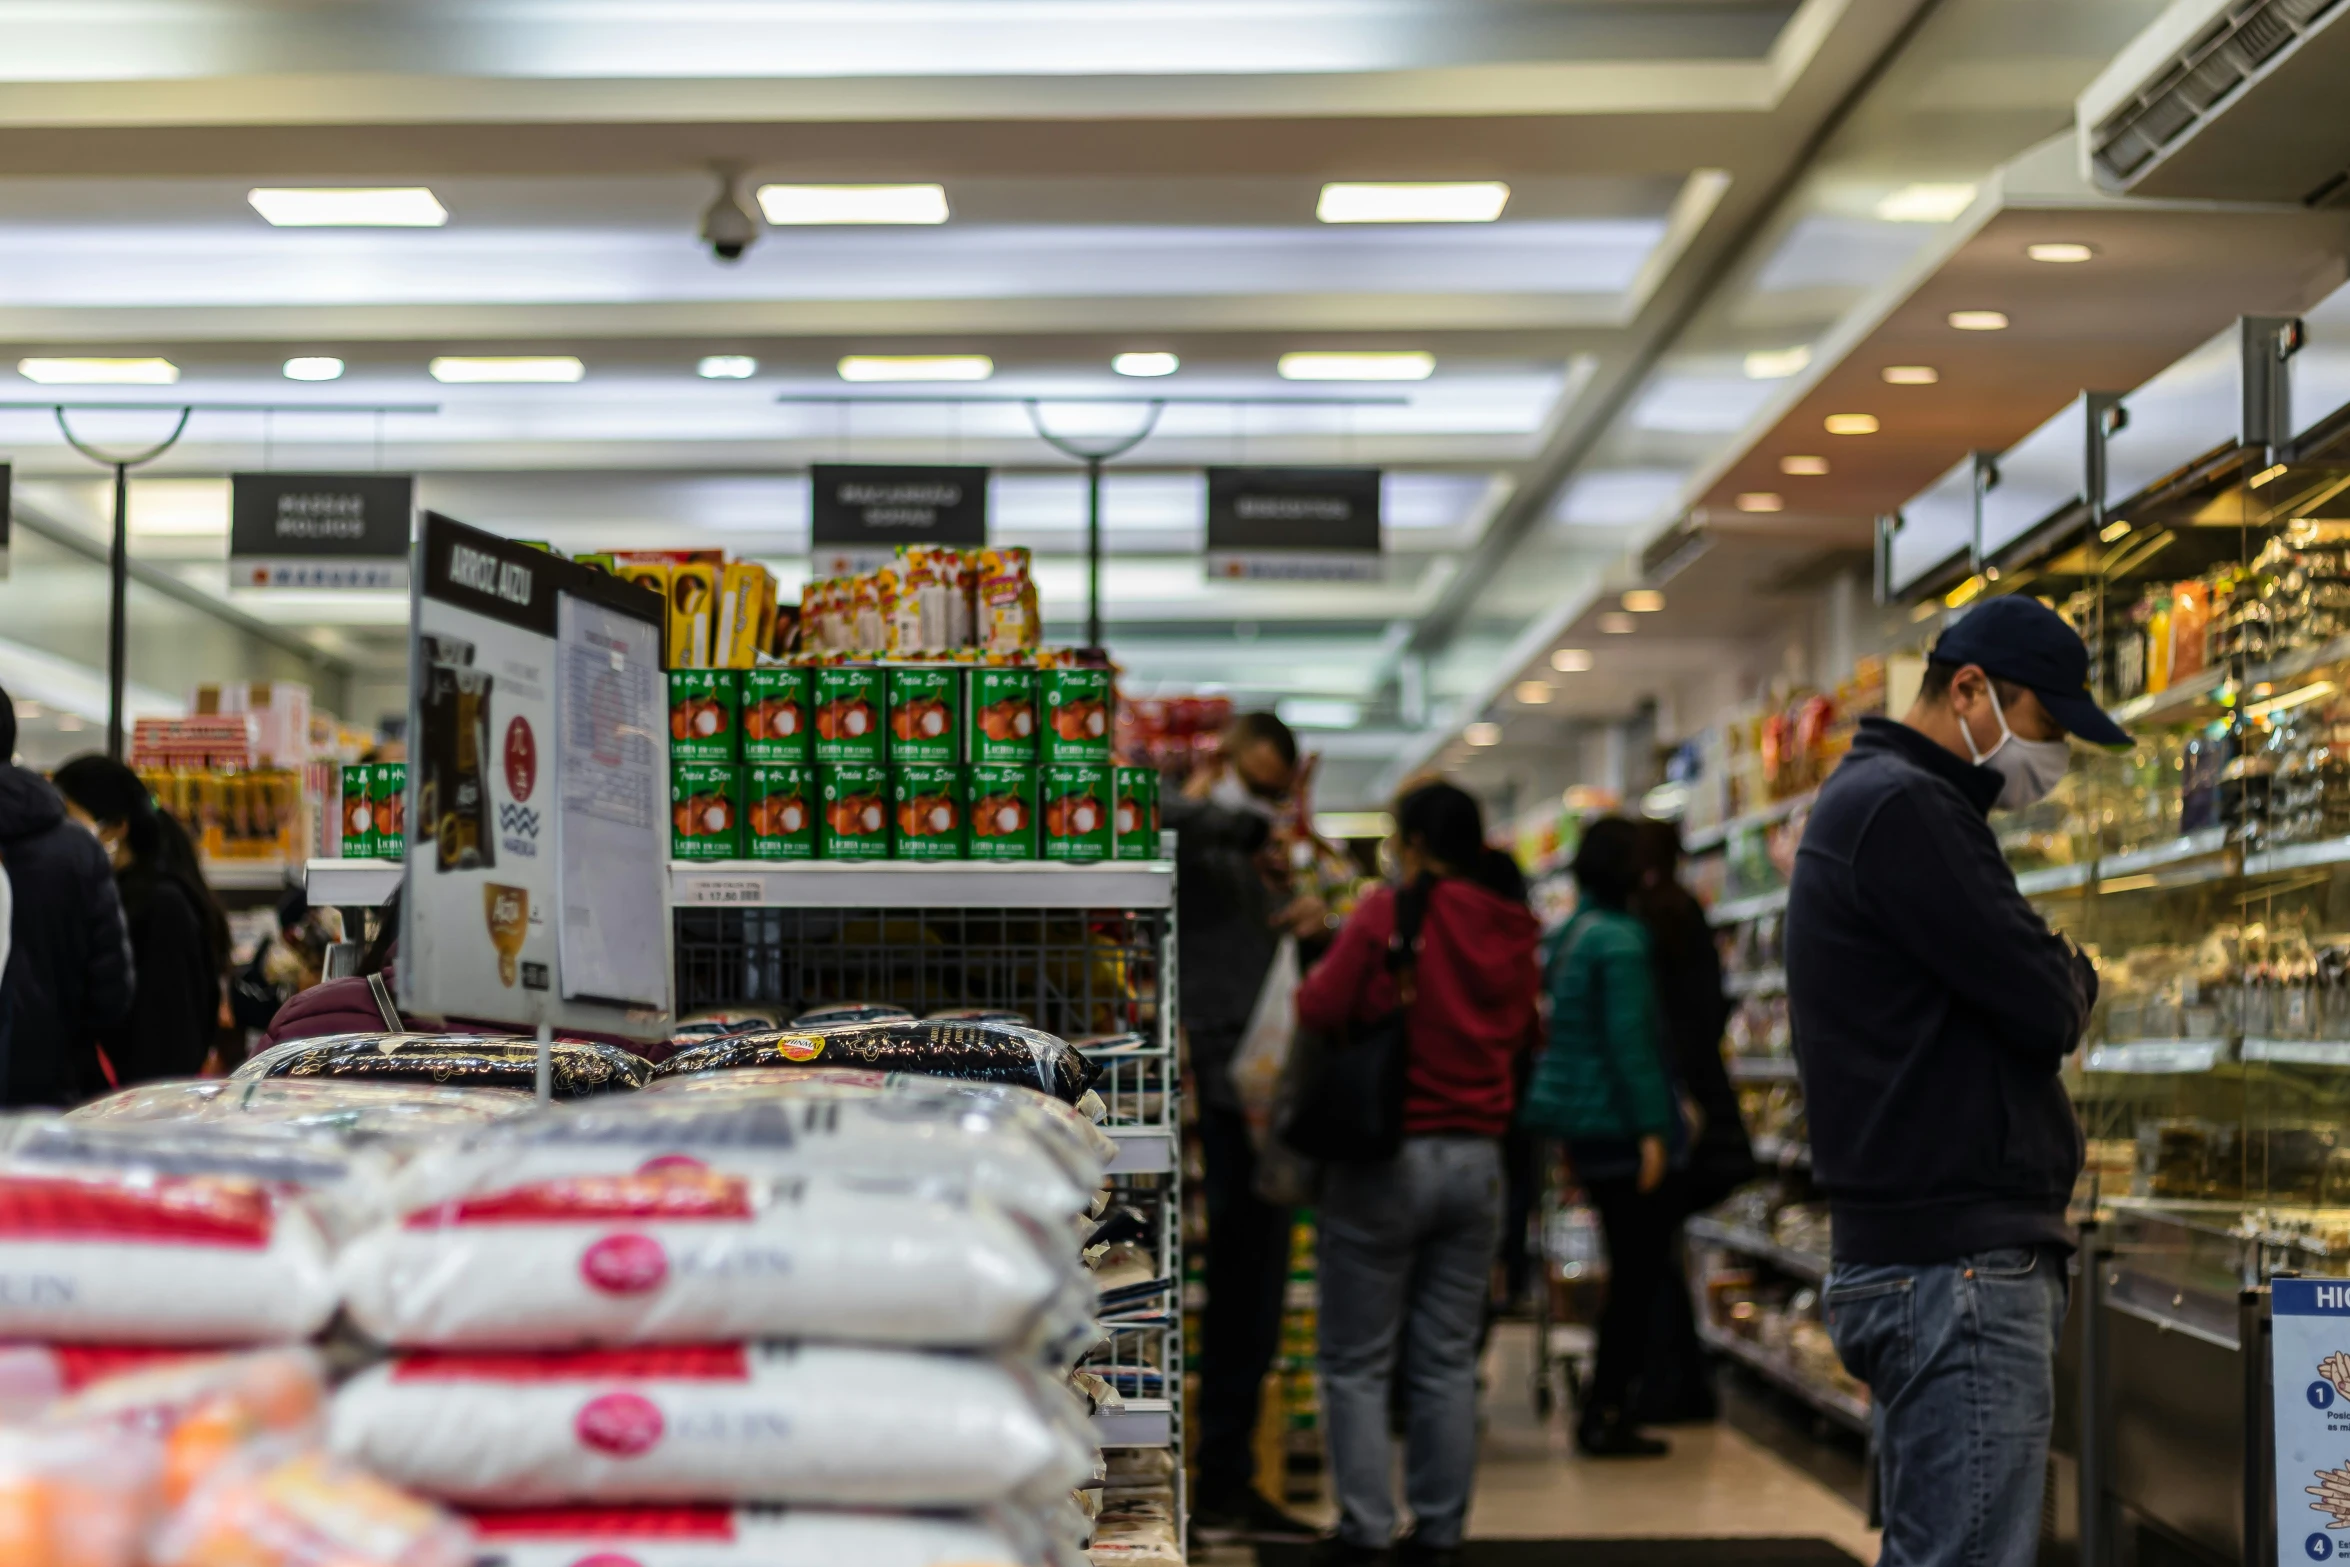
(1570, 1267)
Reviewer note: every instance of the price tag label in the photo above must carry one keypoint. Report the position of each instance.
(731, 892)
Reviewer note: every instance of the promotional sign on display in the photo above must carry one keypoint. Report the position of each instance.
(538, 791)
(2310, 1373)
(1294, 524)
(319, 530)
(860, 514)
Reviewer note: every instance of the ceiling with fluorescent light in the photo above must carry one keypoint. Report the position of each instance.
(1701, 192)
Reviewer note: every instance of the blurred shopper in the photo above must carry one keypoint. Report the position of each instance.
(179, 937)
(1674, 1384)
(290, 960)
(69, 964)
(1604, 1089)
(1233, 904)
(1408, 1244)
(360, 1003)
(1932, 1010)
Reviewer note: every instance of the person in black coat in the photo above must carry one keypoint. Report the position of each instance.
(1692, 1012)
(179, 937)
(68, 974)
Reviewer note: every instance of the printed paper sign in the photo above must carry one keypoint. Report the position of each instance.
(2310, 1343)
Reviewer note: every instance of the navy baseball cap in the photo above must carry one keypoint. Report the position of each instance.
(2018, 638)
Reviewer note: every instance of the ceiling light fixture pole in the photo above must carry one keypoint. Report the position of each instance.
(1093, 456)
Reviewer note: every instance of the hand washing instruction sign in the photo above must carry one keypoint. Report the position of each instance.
(2310, 1340)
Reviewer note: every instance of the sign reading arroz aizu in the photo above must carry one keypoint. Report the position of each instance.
(538, 791)
(319, 530)
(2310, 1382)
(1294, 524)
(859, 515)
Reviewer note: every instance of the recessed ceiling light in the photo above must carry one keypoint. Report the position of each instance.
(314, 367)
(1761, 500)
(792, 206)
(1322, 366)
(916, 367)
(1926, 203)
(1616, 623)
(1979, 320)
(1571, 660)
(386, 207)
(1910, 375)
(2062, 252)
(1803, 467)
(1644, 601)
(1146, 364)
(1535, 693)
(1465, 201)
(501, 369)
(1851, 424)
(727, 367)
(1482, 734)
(1777, 364)
(99, 372)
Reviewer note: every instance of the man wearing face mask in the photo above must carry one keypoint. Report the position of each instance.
(1932, 1009)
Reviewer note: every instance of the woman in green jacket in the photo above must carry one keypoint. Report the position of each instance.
(1601, 1088)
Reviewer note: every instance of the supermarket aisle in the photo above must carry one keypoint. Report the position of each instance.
(1721, 1481)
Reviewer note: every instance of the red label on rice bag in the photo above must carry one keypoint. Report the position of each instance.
(664, 1363)
(625, 1264)
(669, 1193)
(607, 1523)
(79, 1365)
(185, 1211)
(621, 1425)
(607, 1559)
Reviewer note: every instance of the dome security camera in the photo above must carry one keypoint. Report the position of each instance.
(728, 227)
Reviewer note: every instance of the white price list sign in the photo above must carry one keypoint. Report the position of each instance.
(2310, 1379)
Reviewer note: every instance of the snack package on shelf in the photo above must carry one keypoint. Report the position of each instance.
(302, 1509)
(679, 1253)
(1005, 609)
(747, 1537)
(817, 1425)
(984, 1052)
(580, 1066)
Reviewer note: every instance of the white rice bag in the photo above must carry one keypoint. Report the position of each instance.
(949, 1142)
(683, 1255)
(351, 1109)
(781, 1423)
(749, 1537)
(115, 1258)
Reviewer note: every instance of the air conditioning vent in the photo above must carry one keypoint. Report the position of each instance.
(2233, 100)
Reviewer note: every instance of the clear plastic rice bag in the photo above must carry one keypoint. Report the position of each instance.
(400, 1114)
(977, 1052)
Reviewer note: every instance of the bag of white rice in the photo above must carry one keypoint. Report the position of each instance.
(810, 1425)
(579, 1066)
(745, 1537)
(979, 1052)
(684, 1255)
(356, 1110)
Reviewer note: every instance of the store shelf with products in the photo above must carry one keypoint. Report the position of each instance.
(1753, 1243)
(345, 883)
(1787, 1153)
(1704, 839)
(1759, 982)
(1845, 1408)
(1761, 1069)
(1737, 911)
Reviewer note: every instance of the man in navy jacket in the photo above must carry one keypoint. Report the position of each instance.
(1932, 1010)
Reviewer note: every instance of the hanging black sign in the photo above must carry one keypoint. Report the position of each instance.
(319, 530)
(1294, 523)
(857, 511)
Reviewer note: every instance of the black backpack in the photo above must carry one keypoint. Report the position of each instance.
(1344, 1101)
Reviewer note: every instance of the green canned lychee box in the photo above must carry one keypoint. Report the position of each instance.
(923, 703)
(1077, 716)
(1075, 811)
(776, 720)
(387, 804)
(705, 811)
(1003, 810)
(704, 721)
(999, 716)
(779, 812)
(852, 817)
(1134, 813)
(356, 831)
(850, 701)
(930, 820)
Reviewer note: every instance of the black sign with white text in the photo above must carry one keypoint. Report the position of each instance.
(1297, 523)
(319, 530)
(862, 507)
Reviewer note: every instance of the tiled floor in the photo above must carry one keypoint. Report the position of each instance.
(1718, 1481)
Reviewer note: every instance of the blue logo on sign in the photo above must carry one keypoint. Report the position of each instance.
(2321, 1395)
(2318, 1547)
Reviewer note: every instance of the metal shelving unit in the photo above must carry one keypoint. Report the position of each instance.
(1753, 1243)
(1837, 1405)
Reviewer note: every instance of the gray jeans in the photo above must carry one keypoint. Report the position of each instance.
(1406, 1261)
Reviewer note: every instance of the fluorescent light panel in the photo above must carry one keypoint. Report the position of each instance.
(727, 367)
(1644, 601)
(1777, 364)
(1978, 320)
(314, 367)
(1850, 424)
(1146, 364)
(916, 367)
(794, 206)
(1926, 203)
(1420, 201)
(1326, 366)
(514, 369)
(99, 372)
(1910, 375)
(1571, 660)
(1801, 467)
(1536, 693)
(1761, 500)
(2061, 252)
(387, 207)
(1482, 734)
(1314, 712)
(1616, 623)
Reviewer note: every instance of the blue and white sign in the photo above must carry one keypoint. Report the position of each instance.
(2310, 1373)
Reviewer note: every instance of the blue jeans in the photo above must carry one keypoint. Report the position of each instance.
(1407, 1249)
(1960, 1359)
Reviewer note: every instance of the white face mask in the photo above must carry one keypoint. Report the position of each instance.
(2030, 767)
(1234, 795)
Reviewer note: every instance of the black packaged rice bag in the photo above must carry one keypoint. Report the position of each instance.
(852, 1012)
(973, 1052)
(982, 1015)
(579, 1067)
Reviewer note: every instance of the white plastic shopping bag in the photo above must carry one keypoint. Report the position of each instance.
(1264, 1044)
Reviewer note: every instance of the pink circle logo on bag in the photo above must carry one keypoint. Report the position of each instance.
(661, 1164)
(622, 1425)
(607, 1559)
(625, 1264)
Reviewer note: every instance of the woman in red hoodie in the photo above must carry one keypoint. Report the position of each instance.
(1407, 1245)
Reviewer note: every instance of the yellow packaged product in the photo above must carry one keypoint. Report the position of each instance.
(870, 593)
(746, 611)
(693, 614)
(1007, 618)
